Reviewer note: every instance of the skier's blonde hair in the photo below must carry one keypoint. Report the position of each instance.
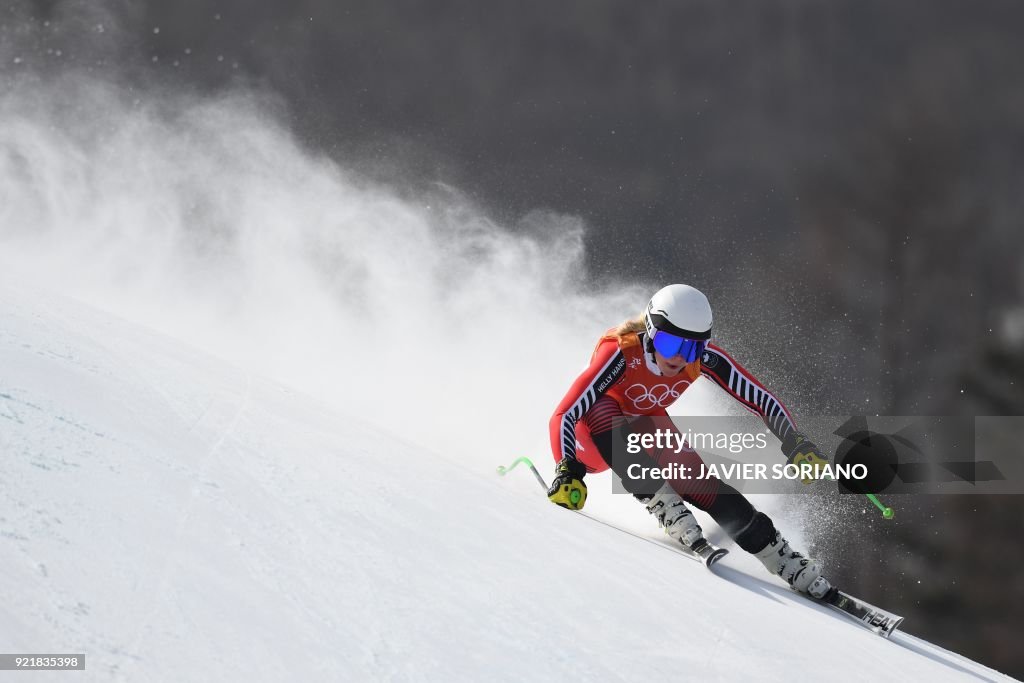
(630, 326)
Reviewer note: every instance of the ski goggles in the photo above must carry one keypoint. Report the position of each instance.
(670, 346)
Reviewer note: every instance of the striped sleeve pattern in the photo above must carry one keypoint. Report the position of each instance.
(719, 367)
(606, 367)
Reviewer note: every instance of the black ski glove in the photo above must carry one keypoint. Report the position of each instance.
(568, 489)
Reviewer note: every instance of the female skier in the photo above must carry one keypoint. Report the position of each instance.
(638, 370)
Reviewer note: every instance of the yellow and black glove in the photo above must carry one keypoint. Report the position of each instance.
(568, 489)
(801, 451)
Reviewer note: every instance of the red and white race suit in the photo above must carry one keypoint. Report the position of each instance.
(624, 381)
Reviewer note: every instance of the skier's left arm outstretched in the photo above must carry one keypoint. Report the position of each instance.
(723, 370)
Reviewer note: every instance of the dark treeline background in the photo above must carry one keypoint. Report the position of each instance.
(844, 177)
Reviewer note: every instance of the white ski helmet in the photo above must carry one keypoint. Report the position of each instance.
(678, 314)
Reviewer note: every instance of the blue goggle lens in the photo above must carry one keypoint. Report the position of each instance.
(670, 346)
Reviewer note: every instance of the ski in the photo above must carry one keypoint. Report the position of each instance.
(702, 551)
(705, 552)
(867, 615)
(874, 618)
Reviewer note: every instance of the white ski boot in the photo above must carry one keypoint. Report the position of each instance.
(802, 573)
(673, 516)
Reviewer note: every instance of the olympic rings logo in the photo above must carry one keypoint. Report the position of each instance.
(660, 395)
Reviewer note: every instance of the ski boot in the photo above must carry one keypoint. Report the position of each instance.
(673, 516)
(801, 573)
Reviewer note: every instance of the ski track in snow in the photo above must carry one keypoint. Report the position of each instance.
(185, 512)
(176, 518)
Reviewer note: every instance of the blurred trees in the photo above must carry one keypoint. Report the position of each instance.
(914, 234)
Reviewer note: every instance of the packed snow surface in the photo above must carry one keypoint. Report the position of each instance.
(176, 518)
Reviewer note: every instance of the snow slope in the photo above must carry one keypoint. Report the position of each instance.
(178, 519)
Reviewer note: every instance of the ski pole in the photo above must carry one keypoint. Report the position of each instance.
(887, 511)
(502, 470)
